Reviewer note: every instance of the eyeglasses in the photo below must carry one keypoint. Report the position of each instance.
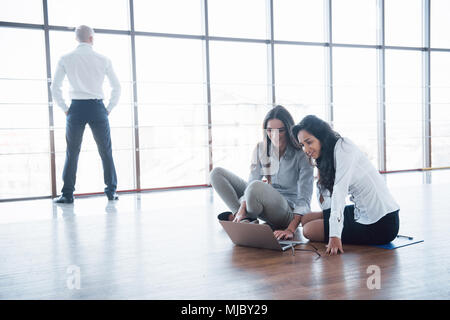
(315, 250)
(280, 130)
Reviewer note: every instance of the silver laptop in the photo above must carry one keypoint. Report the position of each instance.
(254, 235)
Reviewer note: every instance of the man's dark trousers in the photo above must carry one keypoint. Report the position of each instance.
(92, 112)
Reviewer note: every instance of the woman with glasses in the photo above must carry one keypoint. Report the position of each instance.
(285, 196)
(343, 169)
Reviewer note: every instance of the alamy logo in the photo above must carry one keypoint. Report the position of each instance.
(74, 278)
(374, 281)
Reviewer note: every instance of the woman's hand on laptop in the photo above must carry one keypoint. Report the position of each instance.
(239, 216)
(283, 234)
(242, 212)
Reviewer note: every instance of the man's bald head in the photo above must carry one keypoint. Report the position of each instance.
(84, 34)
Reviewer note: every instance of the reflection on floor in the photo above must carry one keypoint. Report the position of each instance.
(168, 245)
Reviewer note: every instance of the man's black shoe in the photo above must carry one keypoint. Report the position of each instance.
(113, 196)
(63, 199)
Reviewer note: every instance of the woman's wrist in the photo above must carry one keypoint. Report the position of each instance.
(292, 227)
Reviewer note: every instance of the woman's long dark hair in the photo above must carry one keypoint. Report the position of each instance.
(328, 138)
(282, 114)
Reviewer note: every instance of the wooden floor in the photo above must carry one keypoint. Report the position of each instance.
(168, 245)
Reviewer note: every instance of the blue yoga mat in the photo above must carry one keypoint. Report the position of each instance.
(400, 241)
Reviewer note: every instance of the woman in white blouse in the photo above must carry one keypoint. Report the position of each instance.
(343, 170)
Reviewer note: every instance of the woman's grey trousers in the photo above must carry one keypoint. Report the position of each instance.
(262, 200)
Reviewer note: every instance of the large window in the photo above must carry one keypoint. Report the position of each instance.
(239, 91)
(237, 18)
(25, 11)
(172, 112)
(439, 22)
(182, 86)
(298, 20)
(403, 27)
(355, 97)
(168, 16)
(24, 135)
(354, 21)
(440, 109)
(104, 14)
(300, 79)
(403, 109)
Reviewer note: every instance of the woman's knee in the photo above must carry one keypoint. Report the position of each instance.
(253, 198)
(216, 173)
(307, 231)
(314, 230)
(254, 188)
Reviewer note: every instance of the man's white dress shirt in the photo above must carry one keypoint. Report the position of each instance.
(86, 71)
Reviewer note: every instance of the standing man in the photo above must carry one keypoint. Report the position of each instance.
(86, 71)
